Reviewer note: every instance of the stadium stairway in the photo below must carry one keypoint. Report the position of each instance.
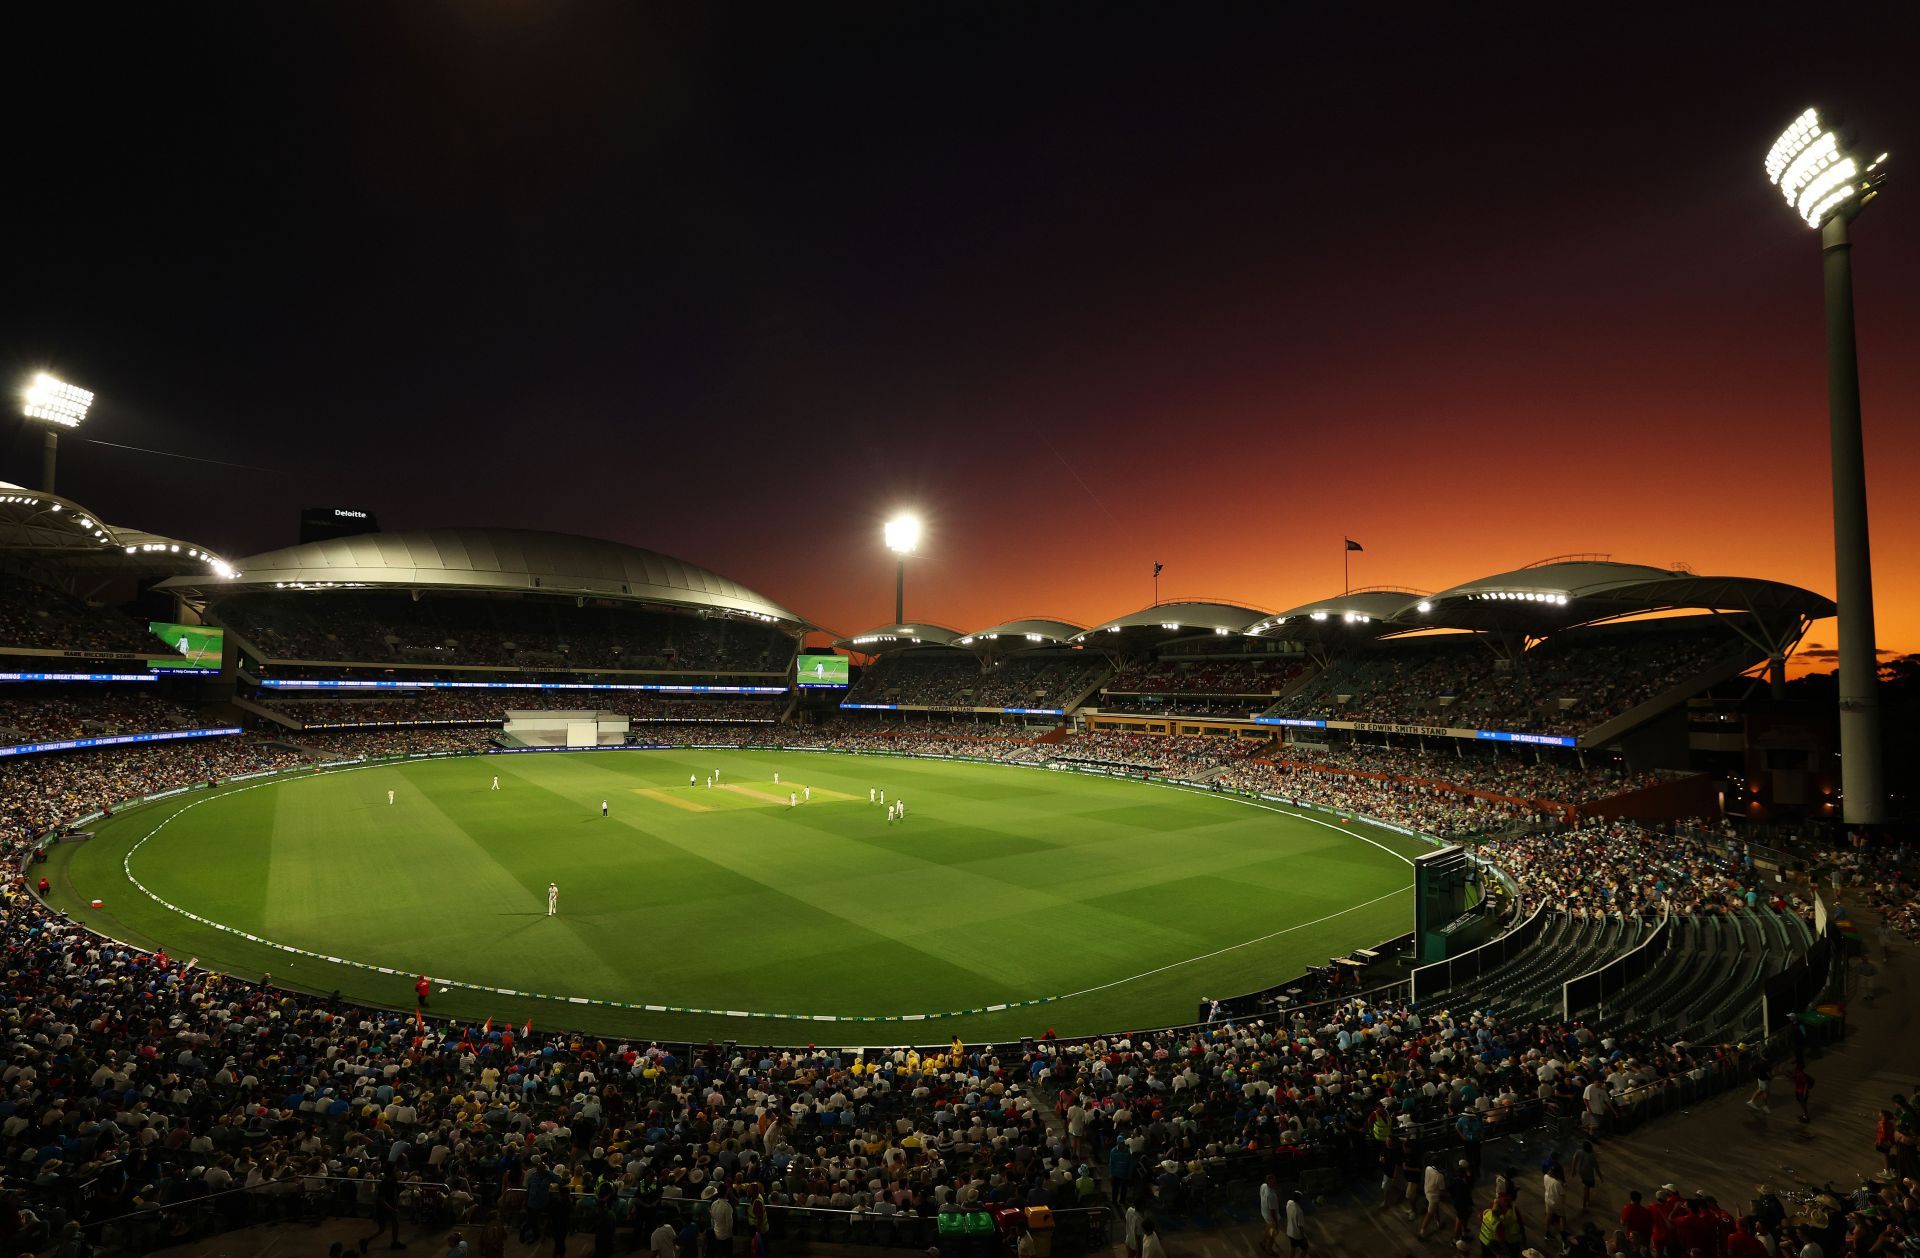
(1073, 704)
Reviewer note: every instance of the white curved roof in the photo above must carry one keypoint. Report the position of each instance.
(1025, 633)
(897, 637)
(503, 560)
(1187, 617)
(69, 534)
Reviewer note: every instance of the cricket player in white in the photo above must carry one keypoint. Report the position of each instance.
(869, 794)
(776, 777)
(603, 808)
(692, 780)
(901, 804)
(553, 899)
(793, 801)
(806, 793)
(819, 670)
(883, 795)
(496, 781)
(389, 796)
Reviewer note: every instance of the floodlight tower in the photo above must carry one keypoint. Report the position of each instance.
(1827, 183)
(902, 534)
(59, 405)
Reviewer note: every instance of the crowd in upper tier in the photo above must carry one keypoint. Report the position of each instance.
(427, 707)
(36, 615)
(1889, 879)
(48, 714)
(545, 633)
(1569, 683)
(955, 679)
(1203, 675)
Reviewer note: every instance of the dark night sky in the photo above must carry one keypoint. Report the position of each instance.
(1091, 289)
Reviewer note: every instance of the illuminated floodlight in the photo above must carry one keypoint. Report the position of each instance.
(1319, 615)
(903, 534)
(1423, 606)
(55, 401)
(1813, 169)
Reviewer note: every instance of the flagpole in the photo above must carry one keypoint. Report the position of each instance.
(1346, 564)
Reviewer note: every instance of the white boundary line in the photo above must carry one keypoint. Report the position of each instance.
(126, 866)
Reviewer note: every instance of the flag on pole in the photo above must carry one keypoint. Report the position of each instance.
(487, 1029)
(1158, 566)
(1353, 545)
(419, 1020)
(527, 1029)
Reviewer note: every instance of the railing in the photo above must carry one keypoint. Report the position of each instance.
(1430, 980)
(436, 1206)
(1590, 989)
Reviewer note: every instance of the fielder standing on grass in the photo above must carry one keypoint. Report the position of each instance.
(389, 795)
(496, 781)
(603, 808)
(553, 903)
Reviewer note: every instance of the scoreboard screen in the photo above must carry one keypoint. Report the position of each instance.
(198, 647)
(817, 671)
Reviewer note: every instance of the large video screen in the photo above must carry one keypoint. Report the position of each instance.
(821, 670)
(193, 646)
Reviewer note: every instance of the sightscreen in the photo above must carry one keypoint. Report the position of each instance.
(821, 670)
(192, 646)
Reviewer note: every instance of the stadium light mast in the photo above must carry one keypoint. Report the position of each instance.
(902, 534)
(1827, 184)
(59, 405)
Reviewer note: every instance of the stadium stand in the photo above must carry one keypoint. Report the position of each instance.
(1569, 683)
(256, 1103)
(544, 633)
(59, 712)
(36, 615)
(1552, 777)
(489, 707)
(932, 678)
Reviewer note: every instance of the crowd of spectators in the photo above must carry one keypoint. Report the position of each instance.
(547, 633)
(1170, 756)
(1039, 681)
(936, 679)
(1620, 867)
(1553, 776)
(1441, 811)
(1206, 675)
(48, 714)
(39, 616)
(418, 740)
(40, 792)
(1886, 875)
(1570, 682)
(490, 707)
(155, 1082)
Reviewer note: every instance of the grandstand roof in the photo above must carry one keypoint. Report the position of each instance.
(1184, 617)
(47, 526)
(1022, 634)
(1357, 613)
(1576, 589)
(493, 560)
(898, 637)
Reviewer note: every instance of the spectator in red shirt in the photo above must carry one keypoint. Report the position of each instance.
(1743, 1242)
(1637, 1219)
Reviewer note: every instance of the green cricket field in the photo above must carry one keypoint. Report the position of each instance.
(1007, 901)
